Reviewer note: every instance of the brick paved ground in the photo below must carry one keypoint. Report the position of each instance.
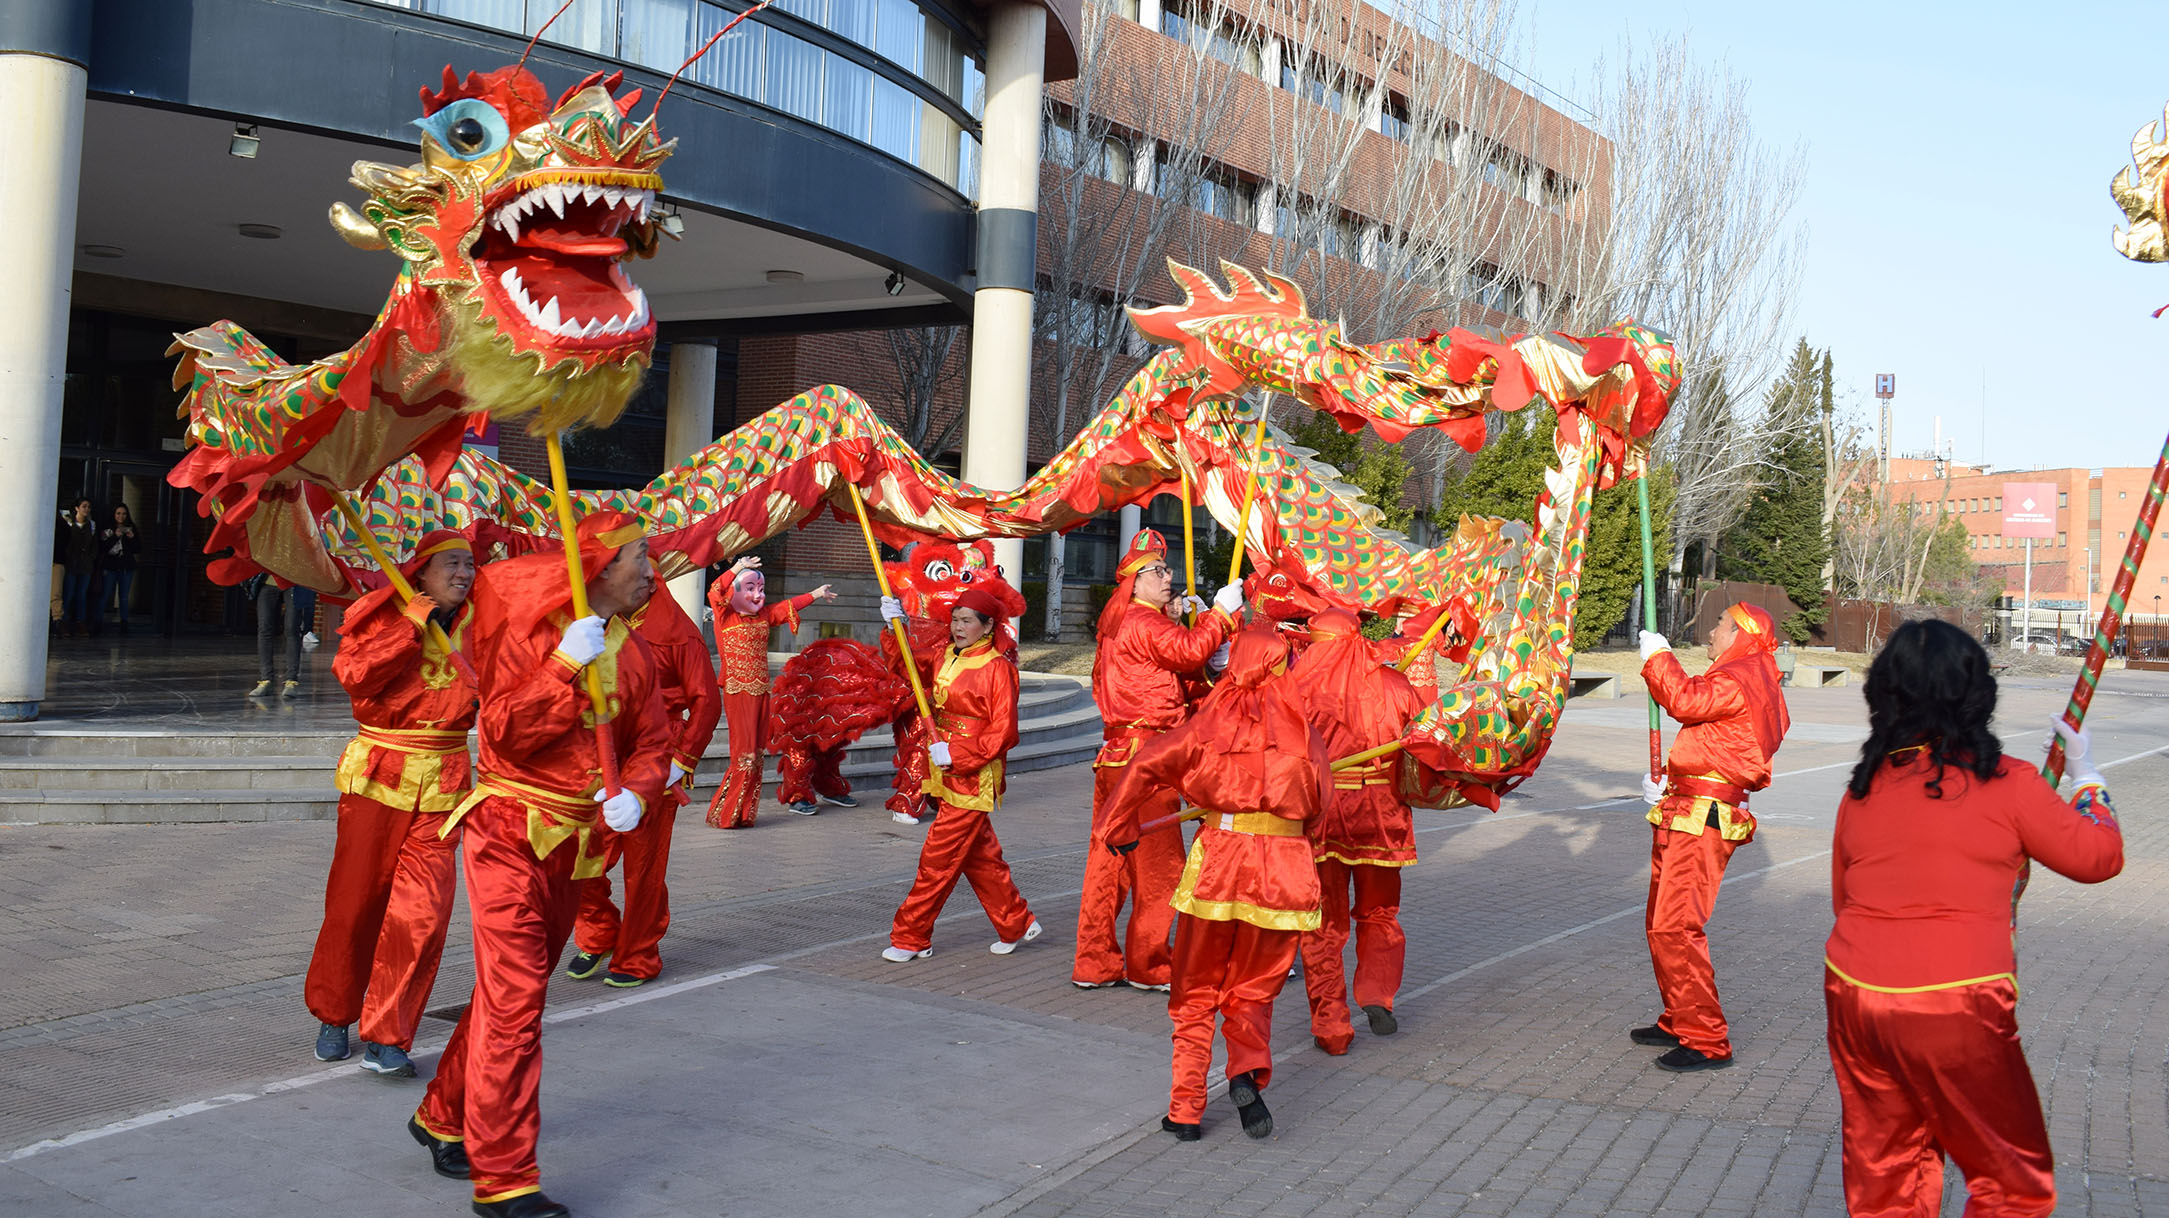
(152, 966)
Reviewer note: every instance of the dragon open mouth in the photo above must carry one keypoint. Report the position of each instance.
(550, 257)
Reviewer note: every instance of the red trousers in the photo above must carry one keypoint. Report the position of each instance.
(630, 941)
(739, 798)
(1233, 970)
(1381, 948)
(488, 1086)
(960, 845)
(1933, 1073)
(910, 763)
(1146, 876)
(804, 773)
(387, 906)
(1684, 872)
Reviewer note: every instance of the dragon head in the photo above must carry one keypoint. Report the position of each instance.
(518, 220)
(2145, 199)
(935, 573)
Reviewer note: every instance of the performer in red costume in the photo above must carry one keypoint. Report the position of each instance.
(1137, 679)
(975, 725)
(743, 618)
(1454, 642)
(388, 900)
(1258, 772)
(1363, 836)
(1932, 845)
(1732, 719)
(529, 834)
(924, 589)
(691, 705)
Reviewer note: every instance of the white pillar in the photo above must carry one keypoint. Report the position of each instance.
(1130, 519)
(999, 398)
(688, 418)
(1148, 15)
(41, 90)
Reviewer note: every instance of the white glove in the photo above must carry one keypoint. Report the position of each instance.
(1229, 600)
(1219, 660)
(1192, 604)
(2078, 763)
(1652, 643)
(583, 641)
(892, 609)
(1652, 791)
(620, 811)
(939, 752)
(677, 774)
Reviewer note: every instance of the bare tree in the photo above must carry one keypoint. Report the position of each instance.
(922, 355)
(1881, 547)
(1124, 163)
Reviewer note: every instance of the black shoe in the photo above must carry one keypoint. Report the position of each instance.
(526, 1205)
(1250, 1106)
(331, 1043)
(1382, 1021)
(1684, 1060)
(1652, 1035)
(841, 801)
(1182, 1132)
(623, 981)
(449, 1158)
(585, 965)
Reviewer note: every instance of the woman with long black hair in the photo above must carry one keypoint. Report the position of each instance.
(1934, 839)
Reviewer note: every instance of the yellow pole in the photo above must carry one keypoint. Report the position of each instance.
(1423, 644)
(896, 625)
(1250, 496)
(606, 749)
(391, 572)
(1189, 542)
(1355, 759)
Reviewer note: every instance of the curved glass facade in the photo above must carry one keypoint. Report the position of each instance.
(887, 73)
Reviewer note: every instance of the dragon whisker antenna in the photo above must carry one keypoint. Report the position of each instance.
(704, 48)
(538, 33)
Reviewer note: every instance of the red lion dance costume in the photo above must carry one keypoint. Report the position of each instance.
(528, 835)
(1363, 836)
(388, 899)
(1732, 720)
(1257, 771)
(827, 696)
(1138, 678)
(743, 619)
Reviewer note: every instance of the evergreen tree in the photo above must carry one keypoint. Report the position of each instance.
(1377, 469)
(1780, 539)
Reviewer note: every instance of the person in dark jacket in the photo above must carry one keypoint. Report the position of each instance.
(118, 546)
(76, 549)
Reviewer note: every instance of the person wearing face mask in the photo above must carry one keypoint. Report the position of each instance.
(527, 833)
(1138, 680)
(388, 899)
(1257, 773)
(743, 619)
(975, 725)
(1732, 720)
(691, 703)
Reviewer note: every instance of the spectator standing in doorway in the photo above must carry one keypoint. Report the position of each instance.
(117, 549)
(281, 613)
(78, 553)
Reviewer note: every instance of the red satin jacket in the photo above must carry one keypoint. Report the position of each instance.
(1732, 720)
(1356, 702)
(1137, 676)
(413, 703)
(741, 639)
(975, 711)
(692, 701)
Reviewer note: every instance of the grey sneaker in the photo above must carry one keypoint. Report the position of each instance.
(331, 1043)
(803, 809)
(840, 801)
(289, 689)
(387, 1060)
(262, 690)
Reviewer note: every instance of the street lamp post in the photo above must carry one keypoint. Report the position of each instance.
(2155, 633)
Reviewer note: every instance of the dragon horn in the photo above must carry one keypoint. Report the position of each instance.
(727, 28)
(538, 36)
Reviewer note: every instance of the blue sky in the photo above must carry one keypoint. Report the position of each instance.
(1956, 199)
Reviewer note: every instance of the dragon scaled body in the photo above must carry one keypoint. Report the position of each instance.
(2145, 198)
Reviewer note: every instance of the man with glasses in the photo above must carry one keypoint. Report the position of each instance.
(1138, 679)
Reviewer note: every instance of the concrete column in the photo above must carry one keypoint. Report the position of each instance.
(688, 418)
(1129, 520)
(998, 401)
(44, 50)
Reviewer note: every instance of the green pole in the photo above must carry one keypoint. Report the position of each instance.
(1649, 621)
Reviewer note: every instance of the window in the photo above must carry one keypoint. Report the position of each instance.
(1312, 83)
(1505, 168)
(1998, 501)
(1393, 119)
(2059, 540)
(2063, 499)
(1558, 191)
(2120, 494)
(1214, 34)
(1216, 190)
(1111, 160)
(1127, 9)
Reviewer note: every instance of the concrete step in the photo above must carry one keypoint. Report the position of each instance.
(121, 776)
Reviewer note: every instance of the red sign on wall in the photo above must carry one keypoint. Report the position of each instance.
(2029, 509)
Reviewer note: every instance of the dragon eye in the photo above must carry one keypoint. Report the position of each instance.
(940, 569)
(469, 129)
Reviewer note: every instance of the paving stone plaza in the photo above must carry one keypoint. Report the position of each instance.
(154, 1051)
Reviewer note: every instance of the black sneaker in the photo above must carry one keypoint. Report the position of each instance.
(448, 1158)
(623, 981)
(1382, 1021)
(1250, 1106)
(585, 965)
(840, 801)
(526, 1205)
(1684, 1060)
(1652, 1035)
(332, 1044)
(803, 809)
(1182, 1132)
(388, 1060)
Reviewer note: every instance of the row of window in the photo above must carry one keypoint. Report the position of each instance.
(1997, 541)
